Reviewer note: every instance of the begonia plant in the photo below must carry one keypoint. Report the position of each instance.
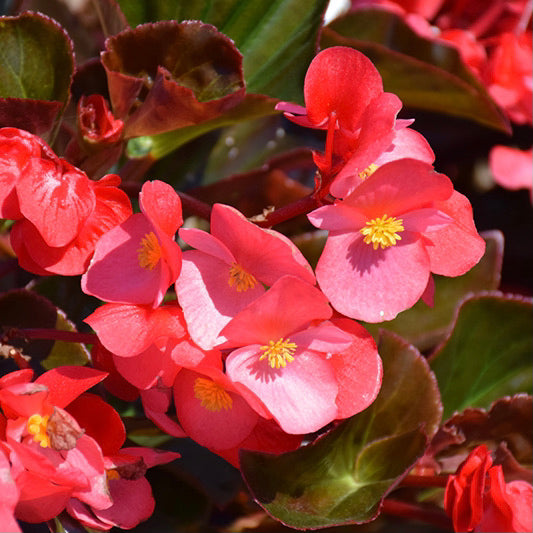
(264, 266)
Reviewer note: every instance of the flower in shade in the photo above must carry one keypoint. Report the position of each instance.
(228, 270)
(385, 238)
(139, 259)
(296, 363)
(512, 168)
(477, 497)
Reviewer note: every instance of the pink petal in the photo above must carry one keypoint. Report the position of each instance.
(512, 168)
(266, 254)
(456, 248)
(325, 338)
(425, 220)
(337, 217)
(340, 80)
(114, 323)
(205, 242)
(162, 205)
(358, 370)
(288, 306)
(300, 396)
(372, 285)
(407, 143)
(207, 299)
(220, 429)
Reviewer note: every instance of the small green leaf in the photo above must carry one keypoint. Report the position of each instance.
(424, 73)
(487, 353)
(425, 326)
(36, 58)
(343, 476)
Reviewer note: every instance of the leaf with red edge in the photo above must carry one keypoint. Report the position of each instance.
(66, 383)
(36, 67)
(343, 476)
(424, 73)
(183, 74)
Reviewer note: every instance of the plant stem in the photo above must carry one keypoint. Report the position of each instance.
(424, 481)
(51, 334)
(411, 511)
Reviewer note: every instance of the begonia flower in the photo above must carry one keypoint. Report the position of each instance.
(10, 495)
(139, 259)
(477, 498)
(228, 270)
(112, 207)
(157, 350)
(344, 95)
(287, 354)
(402, 223)
(512, 168)
(96, 123)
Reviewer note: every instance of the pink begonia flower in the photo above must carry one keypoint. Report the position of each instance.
(139, 259)
(344, 95)
(286, 356)
(402, 223)
(227, 271)
(512, 168)
(112, 207)
(157, 350)
(477, 498)
(96, 123)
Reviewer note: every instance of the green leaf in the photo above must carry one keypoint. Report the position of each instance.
(425, 326)
(343, 476)
(424, 73)
(276, 37)
(66, 353)
(487, 354)
(36, 58)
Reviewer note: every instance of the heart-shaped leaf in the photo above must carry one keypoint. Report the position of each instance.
(488, 353)
(343, 476)
(276, 38)
(425, 74)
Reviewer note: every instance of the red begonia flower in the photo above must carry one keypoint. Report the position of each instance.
(402, 223)
(227, 271)
(35, 255)
(137, 260)
(10, 496)
(344, 95)
(96, 123)
(285, 353)
(477, 498)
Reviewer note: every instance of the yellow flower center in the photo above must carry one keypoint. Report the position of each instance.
(149, 251)
(37, 426)
(370, 169)
(278, 353)
(211, 395)
(240, 278)
(382, 231)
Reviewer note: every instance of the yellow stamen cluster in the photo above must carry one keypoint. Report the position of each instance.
(382, 231)
(37, 426)
(149, 252)
(278, 353)
(211, 395)
(241, 279)
(369, 170)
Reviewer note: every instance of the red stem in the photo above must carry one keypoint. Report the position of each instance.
(411, 511)
(424, 481)
(52, 334)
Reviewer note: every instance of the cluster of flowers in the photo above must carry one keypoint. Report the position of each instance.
(494, 39)
(61, 450)
(252, 353)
